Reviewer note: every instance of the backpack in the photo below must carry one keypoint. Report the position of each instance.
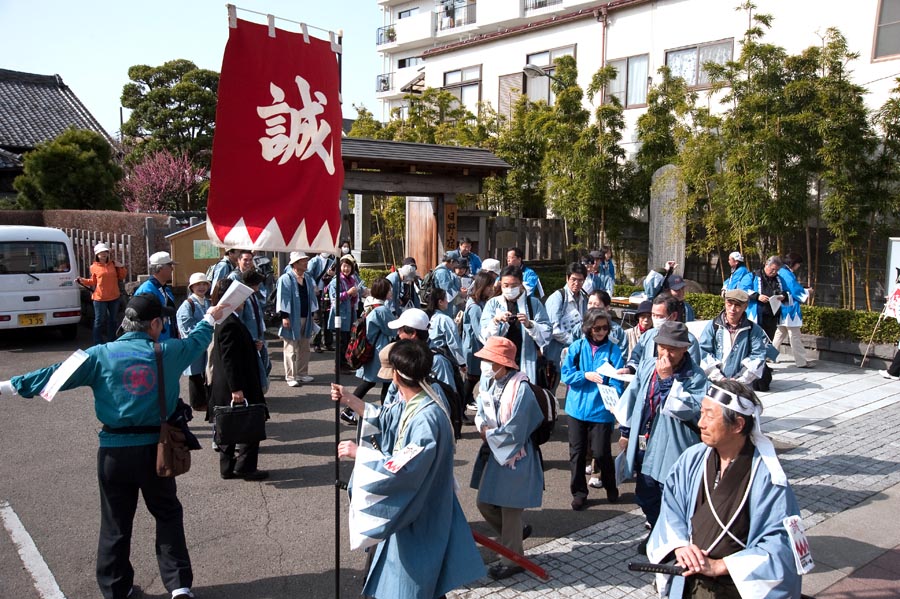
(457, 409)
(427, 286)
(360, 350)
(550, 411)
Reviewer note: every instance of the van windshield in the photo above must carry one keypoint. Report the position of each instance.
(20, 257)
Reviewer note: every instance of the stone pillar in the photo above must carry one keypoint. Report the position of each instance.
(667, 222)
(362, 230)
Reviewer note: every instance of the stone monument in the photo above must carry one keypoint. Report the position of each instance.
(667, 221)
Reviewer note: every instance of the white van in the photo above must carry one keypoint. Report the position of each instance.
(37, 279)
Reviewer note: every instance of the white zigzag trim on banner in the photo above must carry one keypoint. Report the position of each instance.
(271, 239)
(360, 521)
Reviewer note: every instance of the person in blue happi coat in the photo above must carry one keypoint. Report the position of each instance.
(588, 416)
(658, 415)
(189, 315)
(405, 289)
(348, 296)
(464, 252)
(732, 346)
(790, 321)
(724, 508)
(379, 334)
(740, 277)
(403, 503)
(566, 308)
(157, 285)
(296, 303)
(445, 278)
(508, 472)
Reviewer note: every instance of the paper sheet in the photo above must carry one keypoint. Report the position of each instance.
(609, 396)
(62, 374)
(609, 370)
(235, 296)
(775, 302)
(799, 544)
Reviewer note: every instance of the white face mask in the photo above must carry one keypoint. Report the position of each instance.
(487, 369)
(657, 322)
(511, 293)
(345, 250)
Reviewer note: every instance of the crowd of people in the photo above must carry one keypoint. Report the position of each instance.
(469, 342)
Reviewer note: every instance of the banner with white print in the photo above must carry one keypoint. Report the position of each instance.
(277, 173)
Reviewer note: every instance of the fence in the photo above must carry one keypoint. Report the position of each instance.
(120, 248)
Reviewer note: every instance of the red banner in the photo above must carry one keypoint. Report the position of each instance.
(277, 172)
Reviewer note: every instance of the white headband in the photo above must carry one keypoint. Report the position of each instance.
(735, 402)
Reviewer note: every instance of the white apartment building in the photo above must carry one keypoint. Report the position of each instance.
(477, 49)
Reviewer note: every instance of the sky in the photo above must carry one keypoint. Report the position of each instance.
(92, 43)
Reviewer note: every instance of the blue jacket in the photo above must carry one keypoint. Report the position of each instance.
(747, 356)
(379, 335)
(348, 304)
(446, 279)
(393, 304)
(497, 484)
(533, 339)
(164, 294)
(471, 335)
(221, 270)
(740, 278)
(189, 314)
(583, 398)
(566, 314)
(646, 346)
(669, 435)
(473, 258)
(599, 281)
(791, 316)
(288, 301)
(532, 282)
(123, 376)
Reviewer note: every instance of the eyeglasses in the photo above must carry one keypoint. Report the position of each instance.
(576, 280)
(601, 328)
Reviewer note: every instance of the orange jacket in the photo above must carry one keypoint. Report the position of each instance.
(105, 281)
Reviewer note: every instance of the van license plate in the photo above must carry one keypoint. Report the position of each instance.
(31, 320)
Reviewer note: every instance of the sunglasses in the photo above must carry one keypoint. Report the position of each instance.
(601, 328)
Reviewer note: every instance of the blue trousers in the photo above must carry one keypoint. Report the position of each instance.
(648, 495)
(106, 313)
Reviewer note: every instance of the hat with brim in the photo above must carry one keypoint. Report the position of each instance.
(499, 350)
(413, 318)
(297, 257)
(350, 259)
(146, 307)
(737, 295)
(197, 277)
(645, 307)
(161, 259)
(491, 265)
(386, 371)
(100, 247)
(674, 334)
(675, 283)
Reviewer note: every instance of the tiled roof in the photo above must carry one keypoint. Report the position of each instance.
(371, 153)
(37, 108)
(8, 160)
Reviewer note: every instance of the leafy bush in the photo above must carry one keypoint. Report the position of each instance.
(370, 274)
(706, 305)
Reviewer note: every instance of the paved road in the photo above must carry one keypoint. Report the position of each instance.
(835, 428)
(273, 539)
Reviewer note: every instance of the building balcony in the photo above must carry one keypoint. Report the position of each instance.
(539, 4)
(454, 17)
(384, 82)
(404, 34)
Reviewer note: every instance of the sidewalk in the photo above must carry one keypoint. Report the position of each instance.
(837, 429)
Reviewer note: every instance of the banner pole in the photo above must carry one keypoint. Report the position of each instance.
(872, 338)
(337, 405)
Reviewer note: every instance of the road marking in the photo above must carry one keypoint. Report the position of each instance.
(43, 578)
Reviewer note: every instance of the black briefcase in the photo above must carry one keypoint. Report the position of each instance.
(239, 424)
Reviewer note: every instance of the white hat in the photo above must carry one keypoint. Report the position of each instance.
(100, 247)
(161, 258)
(297, 256)
(736, 256)
(413, 318)
(492, 265)
(197, 277)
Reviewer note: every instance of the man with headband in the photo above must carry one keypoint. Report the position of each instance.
(724, 505)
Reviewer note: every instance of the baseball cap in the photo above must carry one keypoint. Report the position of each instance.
(675, 282)
(100, 247)
(161, 258)
(492, 265)
(413, 318)
(736, 256)
(146, 307)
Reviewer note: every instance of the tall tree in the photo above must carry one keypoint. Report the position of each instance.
(173, 108)
(76, 171)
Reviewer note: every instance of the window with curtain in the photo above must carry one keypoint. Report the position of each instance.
(687, 63)
(887, 32)
(539, 88)
(630, 84)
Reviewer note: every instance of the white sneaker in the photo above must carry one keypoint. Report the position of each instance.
(588, 470)
(293, 383)
(305, 379)
(888, 375)
(595, 483)
(184, 593)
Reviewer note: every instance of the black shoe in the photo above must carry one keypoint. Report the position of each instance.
(612, 495)
(254, 476)
(579, 503)
(526, 531)
(348, 417)
(500, 572)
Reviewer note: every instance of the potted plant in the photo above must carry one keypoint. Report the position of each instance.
(390, 35)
